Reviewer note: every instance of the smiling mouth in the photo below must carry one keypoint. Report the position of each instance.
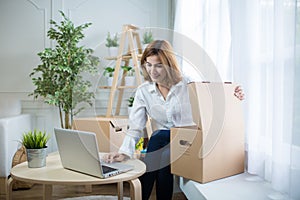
(154, 76)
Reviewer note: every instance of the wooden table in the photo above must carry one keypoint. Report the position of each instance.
(55, 174)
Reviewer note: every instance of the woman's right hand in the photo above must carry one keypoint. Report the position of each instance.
(114, 157)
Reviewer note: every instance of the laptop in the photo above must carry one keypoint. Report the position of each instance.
(79, 152)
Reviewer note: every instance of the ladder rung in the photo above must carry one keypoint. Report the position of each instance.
(124, 57)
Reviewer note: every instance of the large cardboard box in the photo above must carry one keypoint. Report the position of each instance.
(214, 148)
(109, 131)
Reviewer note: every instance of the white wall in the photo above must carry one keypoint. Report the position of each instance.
(24, 25)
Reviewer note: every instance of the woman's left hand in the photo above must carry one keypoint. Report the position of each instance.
(238, 92)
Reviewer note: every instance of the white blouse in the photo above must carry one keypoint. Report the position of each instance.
(174, 111)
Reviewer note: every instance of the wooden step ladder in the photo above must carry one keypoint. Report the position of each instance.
(131, 37)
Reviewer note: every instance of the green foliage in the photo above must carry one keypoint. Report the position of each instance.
(108, 71)
(35, 140)
(112, 41)
(58, 78)
(129, 70)
(130, 101)
(147, 37)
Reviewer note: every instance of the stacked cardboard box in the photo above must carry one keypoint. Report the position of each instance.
(214, 147)
(109, 131)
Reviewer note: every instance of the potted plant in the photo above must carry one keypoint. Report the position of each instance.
(58, 78)
(109, 73)
(130, 101)
(147, 38)
(129, 78)
(112, 42)
(35, 143)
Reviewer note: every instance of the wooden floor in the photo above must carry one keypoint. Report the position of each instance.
(60, 191)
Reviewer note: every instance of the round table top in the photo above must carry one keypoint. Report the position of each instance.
(54, 173)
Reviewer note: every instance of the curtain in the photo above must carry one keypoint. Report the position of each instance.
(256, 44)
(209, 27)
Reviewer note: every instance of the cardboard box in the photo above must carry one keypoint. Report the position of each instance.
(214, 148)
(109, 131)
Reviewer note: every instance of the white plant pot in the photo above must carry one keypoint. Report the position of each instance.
(109, 81)
(113, 51)
(144, 46)
(129, 80)
(129, 110)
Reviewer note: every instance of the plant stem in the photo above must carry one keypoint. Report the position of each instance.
(60, 117)
(67, 120)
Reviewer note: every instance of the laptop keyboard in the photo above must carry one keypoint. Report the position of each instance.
(107, 169)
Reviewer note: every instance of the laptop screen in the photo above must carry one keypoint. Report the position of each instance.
(79, 151)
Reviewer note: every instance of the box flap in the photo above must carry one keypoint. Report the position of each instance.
(208, 99)
(213, 103)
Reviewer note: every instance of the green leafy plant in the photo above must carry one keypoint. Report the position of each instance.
(58, 79)
(130, 101)
(108, 71)
(129, 70)
(112, 41)
(147, 37)
(35, 139)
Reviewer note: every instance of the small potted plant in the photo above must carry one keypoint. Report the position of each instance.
(129, 78)
(112, 42)
(35, 143)
(130, 101)
(109, 73)
(147, 38)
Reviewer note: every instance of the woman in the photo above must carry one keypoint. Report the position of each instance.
(164, 98)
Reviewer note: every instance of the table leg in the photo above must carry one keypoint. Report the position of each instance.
(120, 190)
(10, 183)
(47, 192)
(135, 189)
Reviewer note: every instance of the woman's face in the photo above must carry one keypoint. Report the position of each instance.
(155, 69)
